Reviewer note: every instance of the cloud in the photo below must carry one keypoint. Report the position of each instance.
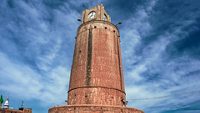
(22, 81)
(154, 77)
(35, 64)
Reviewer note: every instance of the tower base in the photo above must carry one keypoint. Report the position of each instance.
(92, 109)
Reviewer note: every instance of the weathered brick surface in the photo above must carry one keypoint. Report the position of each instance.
(15, 111)
(93, 109)
(104, 83)
(99, 96)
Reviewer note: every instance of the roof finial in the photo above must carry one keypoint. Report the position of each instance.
(22, 105)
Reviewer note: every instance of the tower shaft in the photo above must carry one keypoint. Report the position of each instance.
(96, 76)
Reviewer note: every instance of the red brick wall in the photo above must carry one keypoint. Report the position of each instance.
(15, 111)
(97, 66)
(99, 96)
(93, 109)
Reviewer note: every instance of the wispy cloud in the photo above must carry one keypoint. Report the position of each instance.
(155, 78)
(34, 66)
(22, 81)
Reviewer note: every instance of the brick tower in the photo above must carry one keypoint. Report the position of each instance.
(96, 81)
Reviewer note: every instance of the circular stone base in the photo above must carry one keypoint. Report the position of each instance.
(93, 109)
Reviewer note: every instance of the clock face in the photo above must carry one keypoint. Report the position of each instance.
(91, 15)
(104, 17)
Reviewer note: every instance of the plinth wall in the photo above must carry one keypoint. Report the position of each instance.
(93, 109)
(15, 111)
(106, 97)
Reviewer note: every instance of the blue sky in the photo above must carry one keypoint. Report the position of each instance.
(160, 42)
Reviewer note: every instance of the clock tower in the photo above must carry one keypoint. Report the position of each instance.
(96, 80)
